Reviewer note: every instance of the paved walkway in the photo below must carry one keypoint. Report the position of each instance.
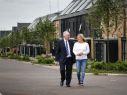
(17, 78)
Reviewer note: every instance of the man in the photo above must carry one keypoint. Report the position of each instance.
(66, 58)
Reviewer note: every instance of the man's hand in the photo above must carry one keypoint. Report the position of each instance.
(56, 63)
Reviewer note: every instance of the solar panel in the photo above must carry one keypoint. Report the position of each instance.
(89, 5)
(54, 18)
(78, 6)
(74, 5)
(67, 8)
(84, 5)
(51, 17)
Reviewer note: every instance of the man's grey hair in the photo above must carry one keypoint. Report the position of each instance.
(65, 32)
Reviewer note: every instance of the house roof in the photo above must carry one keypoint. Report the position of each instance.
(75, 8)
(21, 25)
(4, 33)
(51, 17)
(72, 15)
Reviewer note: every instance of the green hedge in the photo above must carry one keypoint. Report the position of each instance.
(45, 60)
(107, 66)
(25, 58)
(12, 55)
(3, 55)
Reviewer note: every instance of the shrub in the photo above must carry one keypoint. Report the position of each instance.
(25, 58)
(95, 72)
(3, 55)
(48, 61)
(122, 67)
(39, 57)
(108, 66)
(10, 54)
(45, 60)
(14, 56)
(98, 65)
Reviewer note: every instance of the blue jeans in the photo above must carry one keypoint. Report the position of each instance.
(81, 67)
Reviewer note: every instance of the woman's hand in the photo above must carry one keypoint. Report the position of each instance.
(80, 54)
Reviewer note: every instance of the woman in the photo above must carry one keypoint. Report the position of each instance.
(81, 50)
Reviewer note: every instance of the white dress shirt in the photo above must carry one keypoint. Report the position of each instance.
(81, 48)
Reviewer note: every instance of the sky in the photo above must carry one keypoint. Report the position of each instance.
(13, 11)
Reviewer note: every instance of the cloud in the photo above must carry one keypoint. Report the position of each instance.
(13, 11)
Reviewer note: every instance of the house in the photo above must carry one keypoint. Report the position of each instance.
(14, 28)
(51, 17)
(35, 49)
(4, 33)
(74, 19)
(22, 25)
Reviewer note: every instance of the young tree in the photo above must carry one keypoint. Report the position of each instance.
(45, 30)
(14, 39)
(4, 42)
(25, 33)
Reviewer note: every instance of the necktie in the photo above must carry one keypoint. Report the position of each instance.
(67, 48)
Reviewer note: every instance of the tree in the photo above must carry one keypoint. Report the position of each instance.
(124, 30)
(105, 14)
(45, 30)
(14, 39)
(4, 42)
(25, 33)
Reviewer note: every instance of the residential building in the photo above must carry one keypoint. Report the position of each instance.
(74, 19)
(4, 33)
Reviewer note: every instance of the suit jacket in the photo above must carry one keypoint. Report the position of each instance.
(61, 54)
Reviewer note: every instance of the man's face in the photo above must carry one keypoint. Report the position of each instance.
(66, 36)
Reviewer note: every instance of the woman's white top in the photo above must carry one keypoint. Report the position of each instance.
(81, 48)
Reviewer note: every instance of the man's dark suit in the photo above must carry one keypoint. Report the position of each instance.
(65, 62)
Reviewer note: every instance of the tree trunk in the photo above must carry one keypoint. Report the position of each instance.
(47, 47)
(124, 30)
(108, 31)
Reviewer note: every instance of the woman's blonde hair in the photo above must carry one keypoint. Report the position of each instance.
(82, 36)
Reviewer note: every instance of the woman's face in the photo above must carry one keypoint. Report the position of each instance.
(79, 39)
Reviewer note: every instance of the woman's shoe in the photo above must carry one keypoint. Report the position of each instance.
(81, 84)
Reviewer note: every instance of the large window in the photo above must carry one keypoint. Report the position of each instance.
(75, 26)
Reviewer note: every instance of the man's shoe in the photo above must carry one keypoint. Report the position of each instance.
(61, 83)
(68, 85)
(79, 83)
